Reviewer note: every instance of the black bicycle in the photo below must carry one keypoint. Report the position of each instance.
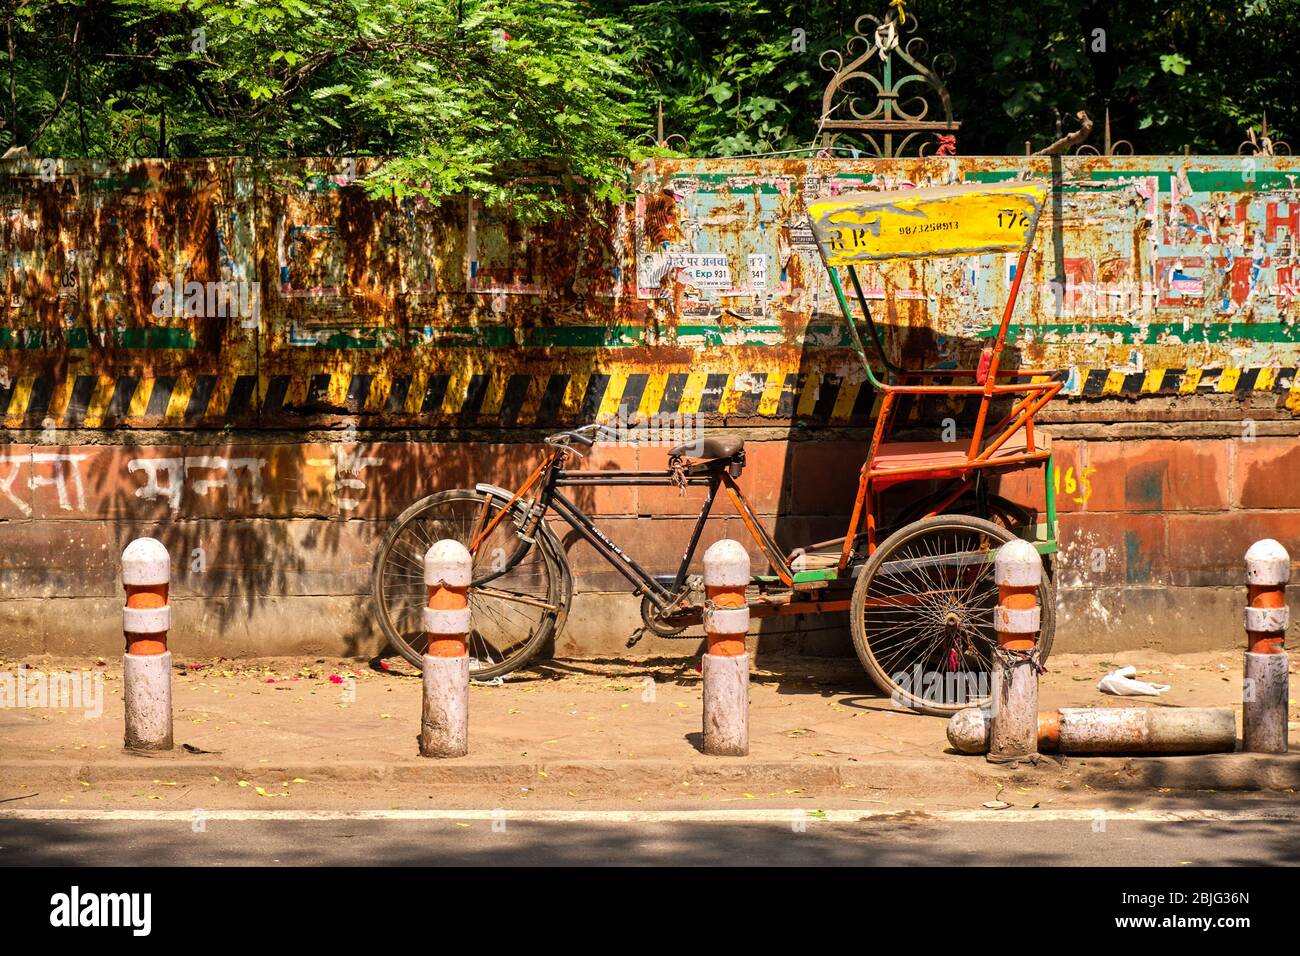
(522, 585)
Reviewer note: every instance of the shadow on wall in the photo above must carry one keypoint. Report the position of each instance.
(275, 537)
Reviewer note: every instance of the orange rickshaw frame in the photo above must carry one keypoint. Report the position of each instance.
(937, 460)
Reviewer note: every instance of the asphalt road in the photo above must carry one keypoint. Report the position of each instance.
(769, 838)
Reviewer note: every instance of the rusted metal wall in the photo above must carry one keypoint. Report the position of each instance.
(302, 303)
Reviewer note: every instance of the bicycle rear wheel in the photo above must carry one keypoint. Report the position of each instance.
(514, 610)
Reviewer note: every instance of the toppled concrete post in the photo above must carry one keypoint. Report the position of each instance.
(1265, 684)
(1013, 738)
(1111, 730)
(726, 665)
(444, 722)
(147, 664)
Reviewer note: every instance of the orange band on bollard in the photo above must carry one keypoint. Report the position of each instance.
(443, 598)
(1049, 731)
(726, 613)
(1268, 568)
(1017, 599)
(146, 596)
(726, 597)
(1269, 596)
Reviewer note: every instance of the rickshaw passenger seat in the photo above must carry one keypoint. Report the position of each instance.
(893, 456)
(710, 449)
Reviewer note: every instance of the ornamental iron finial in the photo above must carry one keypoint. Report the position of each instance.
(899, 115)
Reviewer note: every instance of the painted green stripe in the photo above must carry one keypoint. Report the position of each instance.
(1237, 176)
(826, 335)
(79, 338)
(1147, 335)
(469, 336)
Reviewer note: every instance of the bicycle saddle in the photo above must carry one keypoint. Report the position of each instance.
(710, 449)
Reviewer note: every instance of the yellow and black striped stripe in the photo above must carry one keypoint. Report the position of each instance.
(468, 398)
(1105, 383)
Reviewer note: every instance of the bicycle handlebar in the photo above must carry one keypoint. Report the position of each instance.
(587, 435)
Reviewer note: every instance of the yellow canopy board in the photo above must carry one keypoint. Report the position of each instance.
(914, 223)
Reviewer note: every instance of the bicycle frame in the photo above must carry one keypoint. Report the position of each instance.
(550, 476)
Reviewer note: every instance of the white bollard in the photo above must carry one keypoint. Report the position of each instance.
(444, 723)
(147, 664)
(726, 665)
(1018, 571)
(1265, 684)
(1111, 730)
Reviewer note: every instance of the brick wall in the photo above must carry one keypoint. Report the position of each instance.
(450, 339)
(273, 542)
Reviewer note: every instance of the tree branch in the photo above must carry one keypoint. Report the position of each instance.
(63, 97)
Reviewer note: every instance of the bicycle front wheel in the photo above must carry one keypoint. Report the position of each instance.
(514, 608)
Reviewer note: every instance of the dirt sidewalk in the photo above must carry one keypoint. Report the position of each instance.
(329, 733)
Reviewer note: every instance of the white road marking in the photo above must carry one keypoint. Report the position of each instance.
(1011, 815)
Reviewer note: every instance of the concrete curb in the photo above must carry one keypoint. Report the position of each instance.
(1221, 772)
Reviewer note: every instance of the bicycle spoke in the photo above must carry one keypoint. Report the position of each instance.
(929, 606)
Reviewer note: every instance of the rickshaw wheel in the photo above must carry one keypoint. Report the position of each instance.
(922, 613)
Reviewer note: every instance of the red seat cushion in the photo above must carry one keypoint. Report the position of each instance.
(895, 456)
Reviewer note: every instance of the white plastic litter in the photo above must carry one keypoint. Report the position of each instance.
(1121, 683)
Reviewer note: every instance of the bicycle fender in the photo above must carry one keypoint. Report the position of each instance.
(496, 492)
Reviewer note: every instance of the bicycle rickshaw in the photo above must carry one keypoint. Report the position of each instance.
(919, 593)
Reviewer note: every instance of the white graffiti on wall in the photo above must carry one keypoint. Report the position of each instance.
(167, 479)
(176, 471)
(64, 476)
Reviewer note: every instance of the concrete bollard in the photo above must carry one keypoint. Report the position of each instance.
(1018, 571)
(1111, 730)
(147, 664)
(726, 665)
(444, 723)
(1266, 687)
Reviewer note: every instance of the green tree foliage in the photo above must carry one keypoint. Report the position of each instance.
(463, 95)
(1173, 73)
